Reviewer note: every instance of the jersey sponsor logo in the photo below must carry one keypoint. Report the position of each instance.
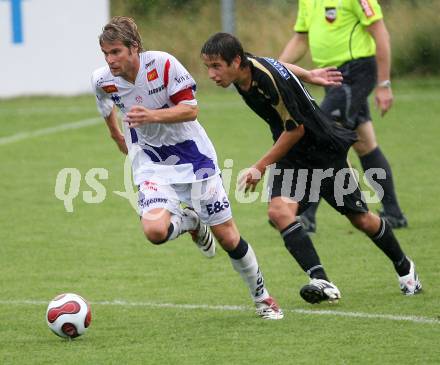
(367, 8)
(152, 75)
(182, 78)
(217, 207)
(279, 67)
(144, 203)
(139, 99)
(118, 102)
(149, 185)
(110, 89)
(156, 90)
(330, 14)
(151, 63)
(102, 81)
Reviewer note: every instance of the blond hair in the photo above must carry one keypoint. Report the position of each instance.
(123, 29)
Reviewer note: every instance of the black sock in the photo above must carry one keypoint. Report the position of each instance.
(170, 231)
(376, 159)
(239, 251)
(387, 242)
(300, 246)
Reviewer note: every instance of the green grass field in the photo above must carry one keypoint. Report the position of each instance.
(168, 304)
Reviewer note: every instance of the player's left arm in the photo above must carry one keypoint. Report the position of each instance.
(327, 76)
(384, 94)
(284, 143)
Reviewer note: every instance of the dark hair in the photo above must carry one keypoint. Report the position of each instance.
(123, 29)
(226, 46)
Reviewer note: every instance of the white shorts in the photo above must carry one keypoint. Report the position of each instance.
(208, 198)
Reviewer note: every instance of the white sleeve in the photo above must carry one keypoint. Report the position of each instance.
(103, 102)
(178, 77)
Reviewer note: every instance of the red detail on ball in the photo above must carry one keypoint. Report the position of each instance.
(70, 307)
(88, 316)
(69, 330)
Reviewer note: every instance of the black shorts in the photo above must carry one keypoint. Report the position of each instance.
(348, 104)
(336, 185)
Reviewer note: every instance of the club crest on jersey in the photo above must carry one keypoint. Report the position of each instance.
(139, 99)
(110, 89)
(330, 14)
(152, 75)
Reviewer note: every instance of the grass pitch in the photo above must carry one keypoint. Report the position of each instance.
(170, 305)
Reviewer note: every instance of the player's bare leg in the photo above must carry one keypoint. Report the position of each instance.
(155, 224)
(160, 225)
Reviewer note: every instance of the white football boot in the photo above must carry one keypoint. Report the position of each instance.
(319, 290)
(202, 235)
(410, 283)
(269, 309)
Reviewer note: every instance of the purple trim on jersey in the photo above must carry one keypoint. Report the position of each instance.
(134, 137)
(182, 153)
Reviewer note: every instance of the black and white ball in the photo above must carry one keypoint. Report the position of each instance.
(68, 315)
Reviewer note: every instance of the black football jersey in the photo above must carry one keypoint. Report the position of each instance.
(279, 98)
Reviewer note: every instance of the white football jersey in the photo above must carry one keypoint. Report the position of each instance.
(165, 153)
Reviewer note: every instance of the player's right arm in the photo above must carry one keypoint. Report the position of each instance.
(107, 109)
(115, 132)
(250, 178)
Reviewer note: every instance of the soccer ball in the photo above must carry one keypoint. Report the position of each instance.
(68, 315)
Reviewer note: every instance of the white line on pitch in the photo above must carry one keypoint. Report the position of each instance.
(45, 131)
(361, 315)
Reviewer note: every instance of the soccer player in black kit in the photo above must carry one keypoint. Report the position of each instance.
(310, 157)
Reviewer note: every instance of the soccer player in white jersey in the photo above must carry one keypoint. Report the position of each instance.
(173, 160)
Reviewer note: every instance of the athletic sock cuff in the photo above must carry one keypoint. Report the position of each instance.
(371, 155)
(379, 234)
(240, 251)
(313, 269)
(291, 228)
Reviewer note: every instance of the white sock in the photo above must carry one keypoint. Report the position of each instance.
(182, 223)
(248, 269)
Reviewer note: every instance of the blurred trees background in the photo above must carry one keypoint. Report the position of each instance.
(264, 26)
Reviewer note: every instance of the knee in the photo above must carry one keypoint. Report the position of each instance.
(364, 147)
(156, 235)
(279, 215)
(364, 222)
(228, 239)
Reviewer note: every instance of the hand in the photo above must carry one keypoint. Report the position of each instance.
(384, 99)
(139, 115)
(120, 141)
(327, 76)
(249, 178)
